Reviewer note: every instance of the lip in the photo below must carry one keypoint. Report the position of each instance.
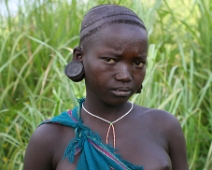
(122, 92)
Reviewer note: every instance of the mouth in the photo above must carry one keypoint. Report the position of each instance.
(122, 92)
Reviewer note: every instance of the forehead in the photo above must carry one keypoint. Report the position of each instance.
(119, 36)
(121, 31)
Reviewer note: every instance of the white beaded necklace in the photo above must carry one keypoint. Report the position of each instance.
(111, 123)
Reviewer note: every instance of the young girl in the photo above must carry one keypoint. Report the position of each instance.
(106, 131)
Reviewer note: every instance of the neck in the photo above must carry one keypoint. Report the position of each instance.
(111, 123)
(106, 111)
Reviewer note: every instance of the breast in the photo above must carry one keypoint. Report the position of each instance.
(157, 165)
(64, 164)
(152, 155)
(155, 158)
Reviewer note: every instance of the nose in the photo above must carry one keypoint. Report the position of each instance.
(123, 73)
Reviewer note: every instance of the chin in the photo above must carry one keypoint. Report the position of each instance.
(116, 101)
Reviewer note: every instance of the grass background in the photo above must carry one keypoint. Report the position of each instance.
(37, 43)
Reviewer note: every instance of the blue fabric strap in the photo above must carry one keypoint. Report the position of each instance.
(94, 154)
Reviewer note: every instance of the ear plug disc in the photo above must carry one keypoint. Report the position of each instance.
(75, 71)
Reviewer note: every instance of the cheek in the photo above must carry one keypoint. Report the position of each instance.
(94, 73)
(144, 73)
(139, 77)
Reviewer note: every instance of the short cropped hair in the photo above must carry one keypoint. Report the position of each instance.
(104, 15)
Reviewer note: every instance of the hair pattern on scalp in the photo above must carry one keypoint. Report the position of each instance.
(94, 19)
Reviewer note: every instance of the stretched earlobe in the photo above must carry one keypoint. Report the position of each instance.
(75, 71)
(139, 90)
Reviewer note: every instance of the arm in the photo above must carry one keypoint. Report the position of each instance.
(177, 146)
(39, 152)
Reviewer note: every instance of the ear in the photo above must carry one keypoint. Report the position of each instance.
(75, 70)
(77, 54)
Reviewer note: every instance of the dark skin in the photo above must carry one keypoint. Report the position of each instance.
(114, 64)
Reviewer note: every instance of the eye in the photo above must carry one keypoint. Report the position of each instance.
(109, 60)
(139, 63)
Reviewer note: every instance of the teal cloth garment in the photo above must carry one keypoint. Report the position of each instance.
(94, 154)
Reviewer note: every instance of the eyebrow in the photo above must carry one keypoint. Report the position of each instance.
(117, 54)
(113, 53)
(142, 56)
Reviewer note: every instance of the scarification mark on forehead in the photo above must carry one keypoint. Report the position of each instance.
(104, 15)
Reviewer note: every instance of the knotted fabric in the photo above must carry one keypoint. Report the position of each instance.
(94, 154)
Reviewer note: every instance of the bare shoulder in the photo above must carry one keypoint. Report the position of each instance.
(50, 132)
(159, 118)
(44, 144)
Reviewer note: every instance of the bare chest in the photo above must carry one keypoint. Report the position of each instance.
(150, 161)
(138, 151)
(137, 143)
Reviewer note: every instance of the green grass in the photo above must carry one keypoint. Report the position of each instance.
(36, 44)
